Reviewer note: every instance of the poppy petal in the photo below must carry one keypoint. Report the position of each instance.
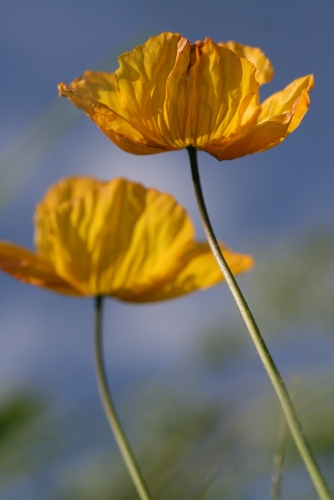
(131, 99)
(208, 93)
(168, 94)
(118, 234)
(280, 114)
(115, 127)
(264, 69)
(199, 271)
(114, 238)
(292, 101)
(30, 268)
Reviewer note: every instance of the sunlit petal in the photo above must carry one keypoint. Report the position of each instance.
(199, 271)
(169, 94)
(280, 114)
(122, 132)
(114, 238)
(257, 138)
(29, 268)
(116, 235)
(209, 91)
(264, 69)
(292, 101)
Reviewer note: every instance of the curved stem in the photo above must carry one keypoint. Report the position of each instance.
(110, 411)
(274, 375)
(279, 455)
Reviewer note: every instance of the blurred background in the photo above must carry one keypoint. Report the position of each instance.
(192, 393)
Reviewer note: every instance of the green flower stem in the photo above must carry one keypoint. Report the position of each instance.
(109, 409)
(279, 456)
(274, 375)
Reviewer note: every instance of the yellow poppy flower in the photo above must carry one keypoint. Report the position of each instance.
(169, 94)
(115, 238)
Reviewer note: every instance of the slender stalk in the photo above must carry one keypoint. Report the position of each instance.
(279, 456)
(273, 373)
(110, 411)
(278, 460)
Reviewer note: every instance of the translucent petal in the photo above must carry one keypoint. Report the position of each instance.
(257, 138)
(118, 234)
(292, 101)
(29, 268)
(199, 271)
(136, 93)
(264, 74)
(168, 94)
(114, 238)
(115, 127)
(280, 114)
(66, 191)
(264, 68)
(209, 91)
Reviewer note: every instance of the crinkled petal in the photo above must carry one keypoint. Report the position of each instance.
(115, 238)
(67, 191)
(257, 138)
(264, 74)
(117, 235)
(264, 68)
(168, 94)
(115, 127)
(134, 95)
(293, 101)
(199, 271)
(30, 268)
(208, 93)
(280, 114)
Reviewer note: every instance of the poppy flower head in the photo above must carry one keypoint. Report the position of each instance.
(168, 94)
(115, 238)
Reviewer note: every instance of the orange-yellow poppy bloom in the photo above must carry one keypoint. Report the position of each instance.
(169, 94)
(115, 238)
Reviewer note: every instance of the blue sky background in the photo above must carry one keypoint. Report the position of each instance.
(256, 202)
(255, 199)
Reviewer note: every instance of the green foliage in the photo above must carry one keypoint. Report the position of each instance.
(16, 416)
